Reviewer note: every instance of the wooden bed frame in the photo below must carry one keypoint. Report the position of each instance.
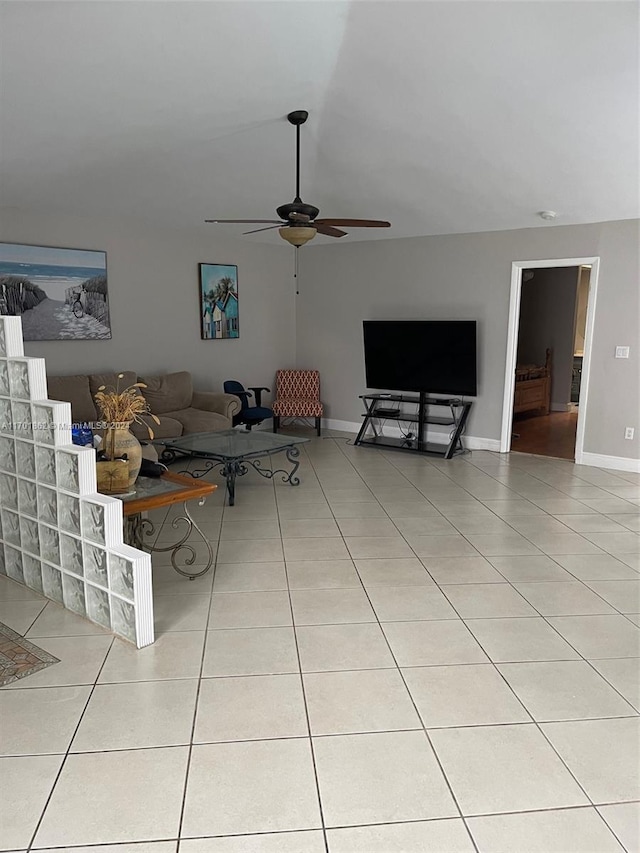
(533, 387)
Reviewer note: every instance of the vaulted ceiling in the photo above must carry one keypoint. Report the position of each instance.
(444, 117)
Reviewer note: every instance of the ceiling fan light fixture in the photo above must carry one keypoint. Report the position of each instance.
(297, 235)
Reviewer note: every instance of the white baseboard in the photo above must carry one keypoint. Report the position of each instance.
(563, 407)
(343, 426)
(617, 463)
(473, 442)
(470, 442)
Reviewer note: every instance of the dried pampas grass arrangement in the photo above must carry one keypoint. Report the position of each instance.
(122, 407)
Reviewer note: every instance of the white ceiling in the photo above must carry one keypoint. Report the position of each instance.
(444, 117)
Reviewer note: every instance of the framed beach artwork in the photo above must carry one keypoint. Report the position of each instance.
(218, 301)
(61, 294)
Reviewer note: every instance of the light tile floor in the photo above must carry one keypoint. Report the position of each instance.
(400, 655)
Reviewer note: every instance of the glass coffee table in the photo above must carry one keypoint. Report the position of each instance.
(233, 450)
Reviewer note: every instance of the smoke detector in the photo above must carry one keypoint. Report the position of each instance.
(547, 214)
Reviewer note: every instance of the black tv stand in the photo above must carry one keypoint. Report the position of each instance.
(397, 407)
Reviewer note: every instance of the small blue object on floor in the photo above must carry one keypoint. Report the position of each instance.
(82, 436)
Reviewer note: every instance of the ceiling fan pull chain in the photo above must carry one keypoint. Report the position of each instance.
(295, 269)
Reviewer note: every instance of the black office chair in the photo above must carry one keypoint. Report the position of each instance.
(249, 415)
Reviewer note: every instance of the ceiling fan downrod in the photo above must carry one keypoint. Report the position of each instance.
(298, 118)
(308, 211)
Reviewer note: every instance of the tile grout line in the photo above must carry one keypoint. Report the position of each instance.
(67, 752)
(44, 607)
(207, 632)
(517, 698)
(419, 717)
(345, 826)
(540, 730)
(539, 612)
(537, 724)
(309, 736)
(196, 706)
(397, 668)
(609, 827)
(506, 580)
(284, 832)
(320, 671)
(328, 735)
(547, 622)
(440, 764)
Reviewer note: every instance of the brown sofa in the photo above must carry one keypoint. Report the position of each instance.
(171, 398)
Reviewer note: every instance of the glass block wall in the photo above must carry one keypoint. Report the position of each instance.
(57, 534)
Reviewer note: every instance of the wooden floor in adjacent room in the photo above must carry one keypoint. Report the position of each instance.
(546, 435)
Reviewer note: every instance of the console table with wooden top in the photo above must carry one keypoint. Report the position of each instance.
(156, 492)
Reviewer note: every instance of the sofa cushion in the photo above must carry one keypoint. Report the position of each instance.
(197, 420)
(74, 390)
(167, 428)
(169, 393)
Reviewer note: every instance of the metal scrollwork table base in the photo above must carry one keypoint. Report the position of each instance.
(233, 452)
(153, 493)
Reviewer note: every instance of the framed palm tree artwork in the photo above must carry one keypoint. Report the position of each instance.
(218, 301)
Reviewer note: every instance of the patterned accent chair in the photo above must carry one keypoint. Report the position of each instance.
(297, 396)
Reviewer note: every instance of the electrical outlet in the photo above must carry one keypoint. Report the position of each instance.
(628, 432)
(622, 352)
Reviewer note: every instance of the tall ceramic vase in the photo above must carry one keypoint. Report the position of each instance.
(118, 442)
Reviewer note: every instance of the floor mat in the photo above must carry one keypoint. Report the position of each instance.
(19, 657)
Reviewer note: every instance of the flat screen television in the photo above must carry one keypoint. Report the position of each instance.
(434, 356)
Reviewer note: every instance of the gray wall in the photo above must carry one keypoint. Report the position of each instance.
(153, 296)
(468, 276)
(153, 285)
(547, 318)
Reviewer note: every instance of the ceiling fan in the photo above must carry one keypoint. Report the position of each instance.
(298, 221)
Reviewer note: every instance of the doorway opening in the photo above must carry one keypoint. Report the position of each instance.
(548, 356)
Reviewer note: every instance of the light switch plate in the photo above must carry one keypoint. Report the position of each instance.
(622, 352)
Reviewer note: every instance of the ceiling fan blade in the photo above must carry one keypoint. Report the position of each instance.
(243, 221)
(328, 230)
(355, 223)
(268, 228)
